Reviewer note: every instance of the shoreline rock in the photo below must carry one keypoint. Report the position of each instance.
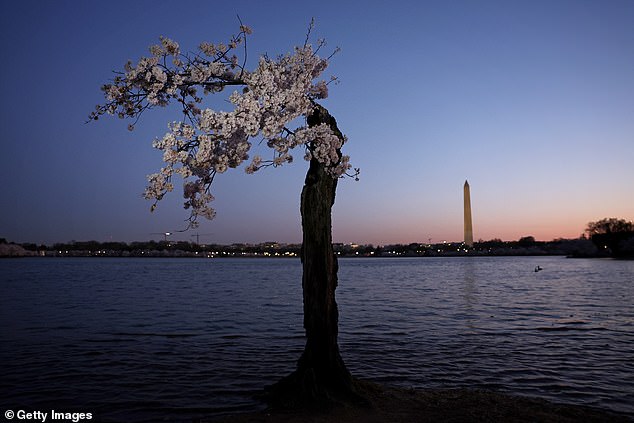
(392, 404)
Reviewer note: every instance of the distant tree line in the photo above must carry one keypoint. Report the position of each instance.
(610, 237)
(157, 249)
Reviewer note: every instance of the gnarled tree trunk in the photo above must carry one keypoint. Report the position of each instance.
(321, 376)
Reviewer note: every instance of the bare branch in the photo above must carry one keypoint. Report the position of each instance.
(310, 29)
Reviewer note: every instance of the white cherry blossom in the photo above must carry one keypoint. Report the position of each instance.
(266, 101)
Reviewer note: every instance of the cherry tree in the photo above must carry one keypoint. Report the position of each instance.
(276, 102)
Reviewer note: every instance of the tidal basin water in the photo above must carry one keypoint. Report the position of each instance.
(177, 339)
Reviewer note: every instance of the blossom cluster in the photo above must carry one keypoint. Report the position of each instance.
(168, 75)
(272, 97)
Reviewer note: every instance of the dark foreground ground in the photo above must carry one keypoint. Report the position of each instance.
(394, 405)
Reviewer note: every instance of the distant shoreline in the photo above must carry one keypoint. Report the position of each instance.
(581, 248)
(185, 255)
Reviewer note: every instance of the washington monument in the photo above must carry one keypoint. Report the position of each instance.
(468, 228)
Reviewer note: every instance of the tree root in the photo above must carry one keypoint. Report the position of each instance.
(306, 389)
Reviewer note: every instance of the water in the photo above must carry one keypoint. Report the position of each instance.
(176, 339)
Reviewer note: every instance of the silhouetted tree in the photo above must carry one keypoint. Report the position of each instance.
(581, 247)
(29, 246)
(526, 241)
(609, 225)
(492, 243)
(206, 142)
(613, 234)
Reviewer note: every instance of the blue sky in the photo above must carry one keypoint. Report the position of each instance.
(531, 101)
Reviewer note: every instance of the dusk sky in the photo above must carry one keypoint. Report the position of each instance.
(531, 101)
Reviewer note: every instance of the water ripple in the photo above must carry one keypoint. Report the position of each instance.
(172, 340)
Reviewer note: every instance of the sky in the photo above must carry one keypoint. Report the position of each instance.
(530, 101)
